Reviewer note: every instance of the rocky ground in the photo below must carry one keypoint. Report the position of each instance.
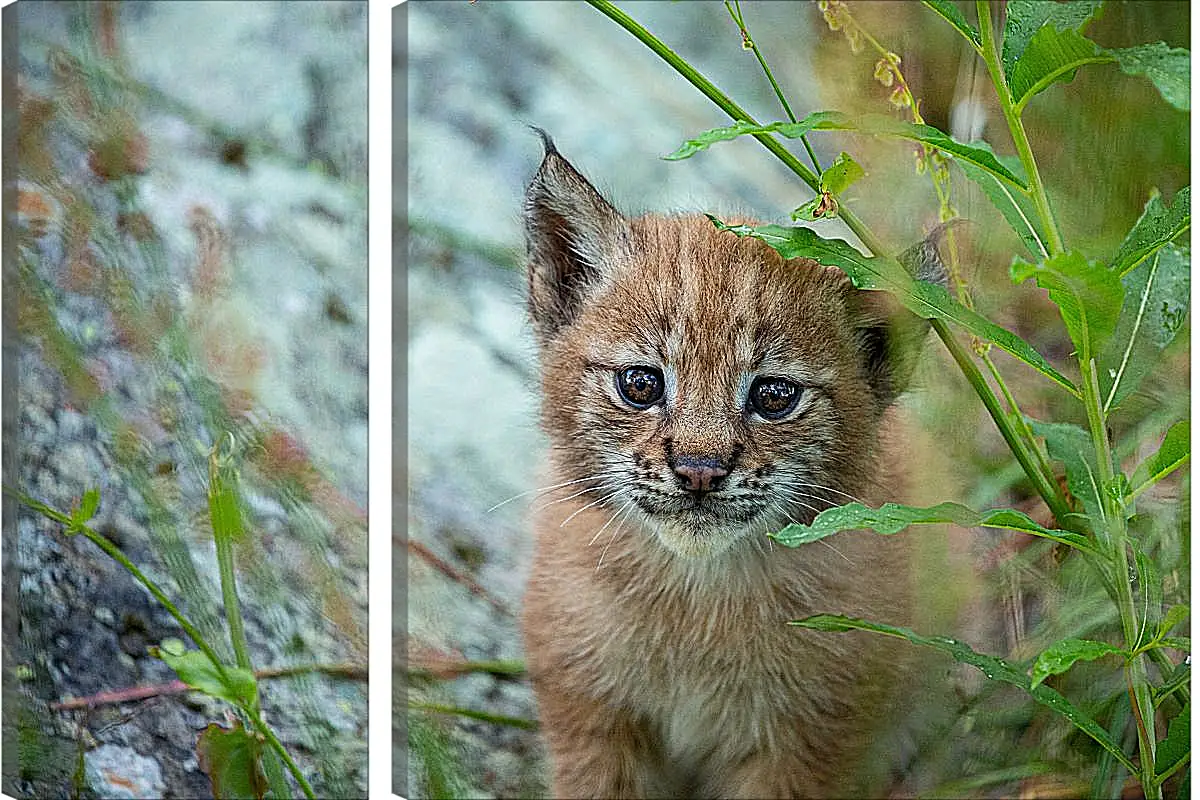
(251, 124)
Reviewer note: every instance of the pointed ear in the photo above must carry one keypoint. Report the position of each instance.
(890, 336)
(572, 235)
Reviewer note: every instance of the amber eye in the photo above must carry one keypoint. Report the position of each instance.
(641, 387)
(773, 398)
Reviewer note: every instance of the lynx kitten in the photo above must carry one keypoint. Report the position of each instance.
(699, 392)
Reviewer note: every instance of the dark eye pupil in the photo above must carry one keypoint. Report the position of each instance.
(641, 387)
(774, 397)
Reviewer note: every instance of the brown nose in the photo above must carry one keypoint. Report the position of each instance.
(700, 474)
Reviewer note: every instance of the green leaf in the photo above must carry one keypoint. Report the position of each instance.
(870, 124)
(1159, 225)
(1016, 207)
(819, 120)
(87, 507)
(224, 506)
(1174, 750)
(1175, 615)
(1072, 445)
(815, 209)
(1183, 643)
(1172, 453)
(926, 300)
(840, 174)
(949, 12)
(1052, 56)
(1088, 296)
(1168, 68)
(1179, 678)
(1149, 594)
(195, 669)
(1025, 18)
(1157, 292)
(891, 518)
(1061, 656)
(230, 757)
(994, 668)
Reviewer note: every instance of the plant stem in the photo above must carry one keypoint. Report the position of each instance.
(735, 11)
(1045, 487)
(268, 734)
(226, 517)
(706, 87)
(1037, 190)
(483, 716)
(1115, 539)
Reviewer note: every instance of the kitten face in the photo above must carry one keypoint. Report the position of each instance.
(693, 379)
(712, 389)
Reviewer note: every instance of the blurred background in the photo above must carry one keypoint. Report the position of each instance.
(185, 266)
(476, 74)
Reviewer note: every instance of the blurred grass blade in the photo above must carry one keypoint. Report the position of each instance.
(949, 12)
(892, 518)
(873, 124)
(1024, 18)
(1062, 655)
(1158, 225)
(995, 669)
(1175, 749)
(1088, 296)
(1168, 68)
(1174, 452)
(1155, 307)
(924, 299)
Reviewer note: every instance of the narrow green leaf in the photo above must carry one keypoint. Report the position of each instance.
(224, 507)
(1155, 307)
(994, 668)
(87, 506)
(1072, 445)
(197, 671)
(891, 518)
(1168, 68)
(1015, 206)
(1024, 18)
(819, 120)
(841, 174)
(1061, 656)
(873, 124)
(1088, 296)
(926, 300)
(230, 757)
(1051, 57)
(1174, 750)
(1149, 594)
(1158, 225)
(1172, 453)
(949, 12)
(1175, 615)
(1183, 643)
(1179, 678)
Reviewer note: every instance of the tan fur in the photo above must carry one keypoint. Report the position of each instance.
(656, 633)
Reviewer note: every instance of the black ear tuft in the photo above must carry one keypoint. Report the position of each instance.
(890, 336)
(572, 236)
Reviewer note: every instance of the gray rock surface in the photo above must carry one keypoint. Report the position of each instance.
(255, 113)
